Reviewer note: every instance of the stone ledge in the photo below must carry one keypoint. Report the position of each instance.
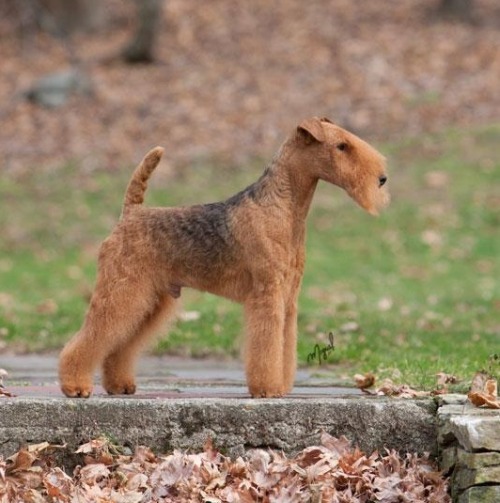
(233, 424)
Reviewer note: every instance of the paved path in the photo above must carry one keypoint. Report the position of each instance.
(159, 377)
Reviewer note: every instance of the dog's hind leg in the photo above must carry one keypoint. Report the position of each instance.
(116, 312)
(119, 365)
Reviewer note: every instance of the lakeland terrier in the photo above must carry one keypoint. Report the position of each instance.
(249, 248)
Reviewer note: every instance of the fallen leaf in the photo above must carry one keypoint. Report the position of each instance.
(21, 461)
(443, 379)
(58, 484)
(484, 391)
(490, 388)
(364, 381)
(482, 399)
(388, 388)
(479, 381)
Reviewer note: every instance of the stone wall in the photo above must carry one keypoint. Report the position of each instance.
(469, 442)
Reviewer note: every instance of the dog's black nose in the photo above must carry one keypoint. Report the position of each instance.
(382, 179)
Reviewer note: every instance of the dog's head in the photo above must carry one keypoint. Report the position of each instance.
(340, 157)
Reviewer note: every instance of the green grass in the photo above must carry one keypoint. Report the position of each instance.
(406, 295)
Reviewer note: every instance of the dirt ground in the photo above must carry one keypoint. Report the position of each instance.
(232, 78)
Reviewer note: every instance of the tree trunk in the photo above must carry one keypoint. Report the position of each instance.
(141, 47)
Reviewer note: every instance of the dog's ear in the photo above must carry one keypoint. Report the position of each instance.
(311, 130)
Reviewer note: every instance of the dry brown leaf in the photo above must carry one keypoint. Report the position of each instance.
(99, 451)
(388, 388)
(58, 485)
(90, 474)
(94, 445)
(484, 391)
(364, 381)
(22, 460)
(137, 481)
(336, 445)
(483, 400)
(491, 388)
(479, 381)
(442, 379)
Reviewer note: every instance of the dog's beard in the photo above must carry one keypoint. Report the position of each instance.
(372, 200)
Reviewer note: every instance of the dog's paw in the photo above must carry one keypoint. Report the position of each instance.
(267, 392)
(77, 391)
(120, 388)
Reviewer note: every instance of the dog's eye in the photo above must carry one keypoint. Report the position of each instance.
(342, 146)
(381, 180)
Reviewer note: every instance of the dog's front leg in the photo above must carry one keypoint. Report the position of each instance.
(290, 342)
(265, 317)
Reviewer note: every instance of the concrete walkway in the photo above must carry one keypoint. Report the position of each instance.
(160, 377)
(181, 403)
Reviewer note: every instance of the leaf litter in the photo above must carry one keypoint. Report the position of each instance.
(389, 388)
(484, 391)
(332, 471)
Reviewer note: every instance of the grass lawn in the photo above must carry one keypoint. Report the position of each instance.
(411, 293)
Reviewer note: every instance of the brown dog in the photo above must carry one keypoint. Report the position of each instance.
(249, 248)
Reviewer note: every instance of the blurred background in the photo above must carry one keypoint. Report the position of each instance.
(87, 87)
(229, 78)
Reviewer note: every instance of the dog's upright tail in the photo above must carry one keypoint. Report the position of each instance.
(134, 194)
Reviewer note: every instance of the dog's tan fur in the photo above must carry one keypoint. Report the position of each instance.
(249, 249)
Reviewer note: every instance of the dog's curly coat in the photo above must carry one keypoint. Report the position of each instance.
(249, 248)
